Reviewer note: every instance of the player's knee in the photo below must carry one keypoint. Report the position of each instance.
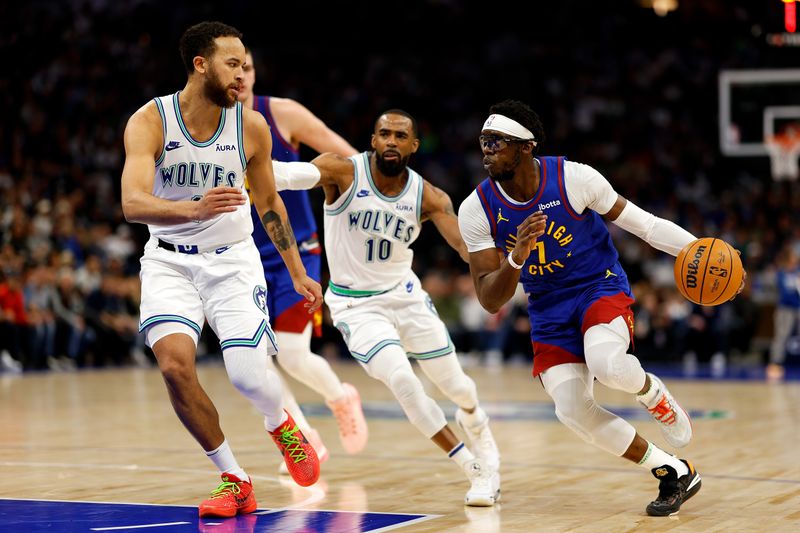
(249, 378)
(460, 389)
(615, 368)
(177, 371)
(405, 385)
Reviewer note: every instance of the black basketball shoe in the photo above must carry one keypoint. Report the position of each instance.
(673, 490)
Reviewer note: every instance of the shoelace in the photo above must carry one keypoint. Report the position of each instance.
(289, 441)
(663, 411)
(225, 488)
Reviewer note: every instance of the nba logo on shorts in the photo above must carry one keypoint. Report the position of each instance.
(260, 298)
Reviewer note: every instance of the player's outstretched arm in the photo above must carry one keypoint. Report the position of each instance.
(659, 233)
(326, 169)
(144, 140)
(270, 206)
(438, 208)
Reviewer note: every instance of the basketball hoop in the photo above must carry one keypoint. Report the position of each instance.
(784, 150)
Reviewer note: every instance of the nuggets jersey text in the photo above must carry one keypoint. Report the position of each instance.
(573, 249)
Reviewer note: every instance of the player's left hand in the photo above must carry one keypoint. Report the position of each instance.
(311, 291)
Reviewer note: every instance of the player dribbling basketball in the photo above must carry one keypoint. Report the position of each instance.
(544, 214)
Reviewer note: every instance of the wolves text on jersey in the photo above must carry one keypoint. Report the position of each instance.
(185, 174)
(377, 221)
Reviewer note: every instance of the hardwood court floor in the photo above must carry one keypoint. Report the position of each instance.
(111, 436)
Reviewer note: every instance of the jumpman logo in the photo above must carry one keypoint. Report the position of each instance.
(609, 274)
(500, 217)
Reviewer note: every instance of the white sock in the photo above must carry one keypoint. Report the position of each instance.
(226, 462)
(655, 457)
(271, 427)
(460, 454)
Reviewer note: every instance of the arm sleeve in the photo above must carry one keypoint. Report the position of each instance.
(473, 224)
(295, 176)
(657, 232)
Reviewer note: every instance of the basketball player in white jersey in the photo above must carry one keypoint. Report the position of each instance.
(291, 125)
(186, 156)
(374, 209)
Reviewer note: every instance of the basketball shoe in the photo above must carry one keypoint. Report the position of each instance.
(316, 441)
(350, 418)
(484, 488)
(233, 496)
(675, 423)
(673, 490)
(481, 440)
(298, 454)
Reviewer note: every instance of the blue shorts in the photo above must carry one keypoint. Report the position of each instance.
(560, 318)
(286, 308)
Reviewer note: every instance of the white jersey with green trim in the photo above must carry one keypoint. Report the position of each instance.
(187, 169)
(368, 234)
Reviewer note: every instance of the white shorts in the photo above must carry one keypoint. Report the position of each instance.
(404, 315)
(224, 287)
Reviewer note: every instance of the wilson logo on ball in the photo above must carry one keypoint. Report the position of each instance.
(708, 271)
(693, 267)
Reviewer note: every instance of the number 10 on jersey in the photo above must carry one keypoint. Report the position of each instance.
(380, 247)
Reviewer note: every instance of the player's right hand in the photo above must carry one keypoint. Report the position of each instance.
(311, 291)
(531, 229)
(219, 200)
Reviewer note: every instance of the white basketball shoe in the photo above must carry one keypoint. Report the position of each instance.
(484, 488)
(676, 427)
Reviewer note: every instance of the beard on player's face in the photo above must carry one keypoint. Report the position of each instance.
(216, 91)
(394, 167)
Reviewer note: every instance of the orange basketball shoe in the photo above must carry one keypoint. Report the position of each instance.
(316, 441)
(298, 453)
(350, 417)
(233, 496)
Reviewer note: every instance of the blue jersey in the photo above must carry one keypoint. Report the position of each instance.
(298, 204)
(789, 288)
(573, 277)
(574, 248)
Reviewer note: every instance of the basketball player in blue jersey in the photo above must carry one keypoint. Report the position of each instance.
(185, 160)
(536, 221)
(291, 125)
(375, 206)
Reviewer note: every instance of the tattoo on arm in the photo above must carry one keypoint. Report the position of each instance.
(281, 234)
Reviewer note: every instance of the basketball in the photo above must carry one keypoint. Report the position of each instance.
(708, 271)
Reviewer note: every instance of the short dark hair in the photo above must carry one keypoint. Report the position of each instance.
(198, 40)
(522, 113)
(395, 111)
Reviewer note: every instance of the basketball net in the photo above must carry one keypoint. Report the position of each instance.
(784, 150)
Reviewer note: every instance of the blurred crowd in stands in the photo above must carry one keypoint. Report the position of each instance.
(632, 94)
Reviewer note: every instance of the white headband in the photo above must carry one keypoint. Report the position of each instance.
(503, 124)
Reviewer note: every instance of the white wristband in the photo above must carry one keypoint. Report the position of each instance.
(512, 263)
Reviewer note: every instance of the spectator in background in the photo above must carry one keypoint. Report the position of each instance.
(787, 310)
(13, 322)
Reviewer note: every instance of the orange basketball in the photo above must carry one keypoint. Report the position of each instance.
(708, 271)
